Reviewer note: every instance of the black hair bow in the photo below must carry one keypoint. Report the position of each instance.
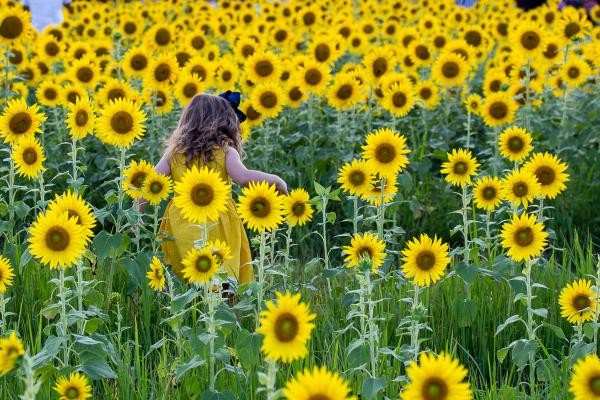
(233, 98)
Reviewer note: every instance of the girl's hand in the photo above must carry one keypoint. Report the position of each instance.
(281, 186)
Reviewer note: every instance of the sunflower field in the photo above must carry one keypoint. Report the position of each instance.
(440, 239)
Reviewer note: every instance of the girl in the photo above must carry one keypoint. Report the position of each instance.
(208, 134)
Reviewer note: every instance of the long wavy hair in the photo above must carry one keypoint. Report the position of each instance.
(207, 121)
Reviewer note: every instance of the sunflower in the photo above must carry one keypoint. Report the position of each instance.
(374, 194)
(160, 101)
(459, 168)
(523, 237)
(425, 260)
(378, 62)
(572, 24)
(286, 327)
(297, 207)
(385, 152)
(578, 302)
(48, 93)
(399, 99)
(317, 384)
(201, 195)
(325, 48)
(84, 73)
(113, 89)
(585, 382)
(157, 187)
(356, 177)
(365, 247)
(575, 71)
(135, 62)
(312, 76)
(267, 99)
(80, 119)
(76, 207)
(450, 69)
(70, 93)
(260, 207)
(552, 54)
(473, 104)
(161, 72)
(187, 87)
(57, 240)
(428, 93)
(420, 52)
(520, 187)
(6, 274)
(28, 156)
(486, 193)
(436, 378)
(498, 109)
(549, 172)
(515, 143)
(19, 121)
(135, 175)
(494, 81)
(15, 25)
(160, 36)
(76, 387)
(528, 40)
(156, 275)
(262, 66)
(200, 266)
(220, 250)
(11, 348)
(120, 123)
(345, 92)
(254, 118)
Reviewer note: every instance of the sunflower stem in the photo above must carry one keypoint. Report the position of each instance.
(355, 215)
(212, 298)
(530, 324)
(597, 308)
(2, 313)
(414, 338)
(286, 262)
(324, 200)
(271, 379)
(381, 211)
(11, 198)
(371, 324)
(42, 191)
(31, 383)
(171, 287)
(468, 130)
(63, 312)
(261, 275)
(155, 229)
(466, 250)
(74, 159)
(80, 285)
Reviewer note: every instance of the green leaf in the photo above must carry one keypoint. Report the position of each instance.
(209, 395)
(510, 320)
(247, 346)
(331, 217)
(468, 272)
(193, 363)
(372, 386)
(106, 245)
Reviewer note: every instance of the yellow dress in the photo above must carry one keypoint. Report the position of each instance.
(181, 234)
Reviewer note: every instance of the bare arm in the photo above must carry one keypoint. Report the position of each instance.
(163, 168)
(243, 176)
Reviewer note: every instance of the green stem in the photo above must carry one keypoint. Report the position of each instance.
(261, 275)
(63, 312)
(466, 251)
(468, 130)
(414, 338)
(372, 327)
(271, 379)
(381, 211)
(171, 286)
(2, 313)
(211, 327)
(355, 214)
(286, 262)
(155, 229)
(74, 159)
(530, 324)
(80, 284)
(597, 308)
(11, 198)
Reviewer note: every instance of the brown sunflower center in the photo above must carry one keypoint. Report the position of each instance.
(345, 31)
(226, 76)
(502, 28)
(344, 92)
(286, 327)
(122, 122)
(385, 153)
(156, 187)
(281, 35)
(499, 110)
(298, 208)
(268, 99)
(425, 260)
(130, 28)
(161, 98)
(450, 69)
(260, 207)
(435, 389)
(11, 27)
(357, 178)
(264, 68)
(203, 264)
(202, 194)
(138, 62)
(190, 89)
(138, 178)
(573, 72)
(247, 51)
(20, 123)
(50, 93)
(489, 193)
(322, 52)
(595, 385)
(30, 156)
(252, 114)
(162, 72)
(439, 42)
(356, 42)
(319, 396)
(16, 56)
(200, 71)
(162, 37)
(572, 29)
(81, 118)
(295, 94)
(495, 85)
(198, 42)
(85, 74)
(72, 97)
(551, 51)
(460, 168)
(380, 66)
(57, 238)
(530, 40)
(116, 93)
(473, 38)
(520, 189)
(72, 393)
(545, 175)
(524, 236)
(399, 99)
(74, 214)
(313, 76)
(309, 18)
(425, 93)
(581, 302)
(515, 144)
(51, 49)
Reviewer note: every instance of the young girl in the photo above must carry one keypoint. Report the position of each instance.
(208, 134)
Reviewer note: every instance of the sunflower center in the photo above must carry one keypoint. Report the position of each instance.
(502, 28)
(162, 37)
(252, 113)
(545, 175)
(16, 57)
(399, 99)
(264, 68)
(515, 144)
(57, 238)
(356, 42)
(85, 74)
(499, 110)
(72, 393)
(226, 76)
(520, 189)
(280, 35)
(495, 85)
(286, 327)
(198, 42)
(385, 153)
(439, 42)
(74, 214)
(11, 27)
(116, 93)
(581, 302)
(460, 168)
(572, 29)
(138, 62)
(313, 76)
(298, 208)
(260, 207)
(380, 66)
(247, 51)
(268, 99)
(51, 49)
(129, 28)
(200, 71)
(344, 92)
(425, 260)
(20, 123)
(138, 178)
(595, 385)
(551, 51)
(450, 69)
(295, 94)
(72, 97)
(530, 40)
(489, 193)
(435, 389)
(202, 195)
(309, 18)
(30, 156)
(357, 178)
(190, 90)
(50, 93)
(156, 187)
(473, 38)
(162, 72)
(319, 396)
(122, 122)
(203, 264)
(322, 52)
(425, 93)
(524, 236)
(573, 72)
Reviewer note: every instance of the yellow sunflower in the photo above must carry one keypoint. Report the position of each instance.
(15, 25)
(549, 172)
(487, 193)
(385, 152)
(201, 195)
(365, 247)
(6, 274)
(498, 109)
(75, 207)
(356, 177)
(267, 99)
(114, 89)
(220, 250)
(70, 94)
(313, 77)
(19, 121)
(57, 240)
(187, 87)
(473, 104)
(459, 168)
(425, 260)
(135, 62)
(161, 72)
(80, 119)
(572, 24)
(48, 93)
(575, 72)
(436, 378)
(260, 207)
(578, 302)
(121, 123)
(378, 62)
(374, 194)
(428, 93)
(76, 387)
(11, 348)
(160, 100)
(450, 69)
(399, 99)
(297, 207)
(156, 275)
(286, 327)
(523, 237)
(84, 73)
(585, 381)
(520, 187)
(515, 143)
(135, 175)
(345, 92)
(318, 384)
(528, 40)
(28, 156)
(200, 266)
(262, 66)
(157, 187)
